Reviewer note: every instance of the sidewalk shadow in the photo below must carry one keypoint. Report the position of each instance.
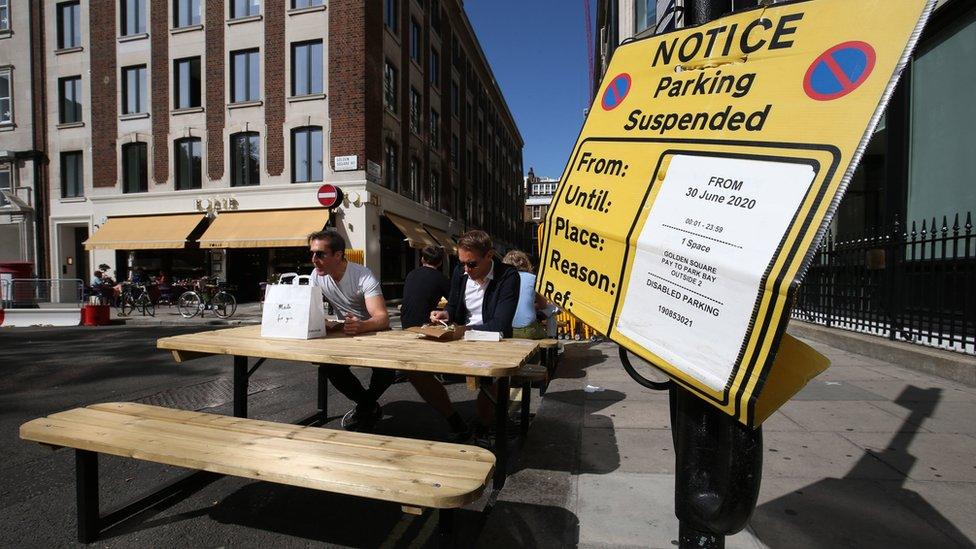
(356, 522)
(823, 513)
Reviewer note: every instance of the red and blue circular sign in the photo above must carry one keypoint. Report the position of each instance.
(839, 70)
(615, 93)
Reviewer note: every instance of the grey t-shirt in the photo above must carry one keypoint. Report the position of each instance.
(349, 295)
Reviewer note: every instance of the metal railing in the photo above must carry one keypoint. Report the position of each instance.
(41, 293)
(915, 284)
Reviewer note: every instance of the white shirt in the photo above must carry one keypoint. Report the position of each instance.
(474, 296)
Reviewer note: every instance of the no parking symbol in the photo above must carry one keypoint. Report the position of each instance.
(839, 70)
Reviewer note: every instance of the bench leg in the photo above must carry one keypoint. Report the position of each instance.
(240, 386)
(445, 527)
(323, 393)
(526, 397)
(501, 434)
(86, 488)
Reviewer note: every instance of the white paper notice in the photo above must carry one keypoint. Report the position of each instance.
(709, 238)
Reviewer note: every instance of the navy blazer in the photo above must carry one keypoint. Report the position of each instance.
(501, 299)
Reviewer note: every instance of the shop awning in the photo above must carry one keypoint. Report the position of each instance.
(145, 232)
(264, 229)
(414, 231)
(450, 246)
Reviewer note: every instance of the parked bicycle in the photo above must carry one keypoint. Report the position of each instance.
(135, 296)
(210, 294)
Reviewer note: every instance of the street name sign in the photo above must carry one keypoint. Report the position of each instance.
(703, 180)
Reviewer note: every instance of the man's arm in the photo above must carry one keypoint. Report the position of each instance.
(379, 318)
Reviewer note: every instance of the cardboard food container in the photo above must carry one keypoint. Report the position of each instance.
(439, 332)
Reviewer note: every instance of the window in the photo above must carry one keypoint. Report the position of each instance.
(415, 40)
(435, 68)
(69, 99)
(435, 16)
(435, 129)
(646, 14)
(536, 212)
(245, 159)
(134, 89)
(188, 161)
(72, 182)
(390, 15)
(133, 17)
(186, 83)
(455, 99)
(4, 15)
(434, 193)
(186, 13)
(135, 175)
(6, 98)
(306, 68)
(245, 76)
(69, 25)
(414, 111)
(4, 186)
(413, 179)
(244, 8)
(299, 4)
(455, 148)
(306, 154)
(392, 173)
(390, 87)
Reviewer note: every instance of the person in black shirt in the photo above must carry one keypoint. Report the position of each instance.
(422, 290)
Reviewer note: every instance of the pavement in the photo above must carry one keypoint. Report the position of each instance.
(869, 454)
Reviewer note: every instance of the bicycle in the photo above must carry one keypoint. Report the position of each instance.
(135, 296)
(194, 302)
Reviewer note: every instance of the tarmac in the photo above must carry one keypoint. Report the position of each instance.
(869, 454)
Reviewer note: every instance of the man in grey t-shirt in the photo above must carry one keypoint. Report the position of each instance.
(355, 294)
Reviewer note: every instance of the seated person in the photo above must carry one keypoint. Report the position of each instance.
(526, 324)
(96, 280)
(354, 292)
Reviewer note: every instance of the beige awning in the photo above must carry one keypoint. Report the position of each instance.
(448, 243)
(145, 232)
(414, 231)
(264, 229)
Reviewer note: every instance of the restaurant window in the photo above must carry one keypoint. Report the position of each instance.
(390, 15)
(306, 154)
(390, 78)
(135, 175)
(134, 89)
(188, 163)
(245, 76)
(72, 181)
(186, 83)
(244, 8)
(391, 175)
(69, 25)
(133, 17)
(186, 13)
(245, 159)
(414, 111)
(69, 99)
(6, 98)
(415, 40)
(306, 68)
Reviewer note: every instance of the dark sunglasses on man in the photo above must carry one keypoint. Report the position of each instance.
(319, 254)
(471, 264)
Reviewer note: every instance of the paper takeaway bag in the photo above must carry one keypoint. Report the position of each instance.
(293, 311)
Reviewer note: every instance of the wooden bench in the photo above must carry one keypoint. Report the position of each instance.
(417, 474)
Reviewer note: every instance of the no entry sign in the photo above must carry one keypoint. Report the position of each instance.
(705, 176)
(329, 195)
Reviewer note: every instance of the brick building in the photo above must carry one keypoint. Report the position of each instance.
(192, 136)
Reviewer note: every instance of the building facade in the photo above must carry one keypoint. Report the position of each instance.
(192, 137)
(539, 192)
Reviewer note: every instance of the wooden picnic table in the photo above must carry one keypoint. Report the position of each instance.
(393, 349)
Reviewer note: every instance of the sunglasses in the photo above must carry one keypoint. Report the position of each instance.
(320, 254)
(471, 264)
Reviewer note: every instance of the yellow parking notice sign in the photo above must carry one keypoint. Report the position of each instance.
(707, 170)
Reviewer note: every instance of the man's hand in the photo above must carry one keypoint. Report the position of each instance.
(437, 316)
(352, 326)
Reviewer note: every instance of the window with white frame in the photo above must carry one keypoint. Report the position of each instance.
(134, 91)
(536, 212)
(133, 17)
(306, 68)
(6, 97)
(306, 154)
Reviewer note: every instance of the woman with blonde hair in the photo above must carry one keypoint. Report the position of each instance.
(525, 324)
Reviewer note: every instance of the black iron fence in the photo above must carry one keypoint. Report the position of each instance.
(913, 283)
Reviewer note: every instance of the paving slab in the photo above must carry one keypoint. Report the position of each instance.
(841, 416)
(923, 456)
(633, 450)
(815, 455)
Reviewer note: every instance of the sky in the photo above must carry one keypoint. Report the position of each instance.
(537, 51)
